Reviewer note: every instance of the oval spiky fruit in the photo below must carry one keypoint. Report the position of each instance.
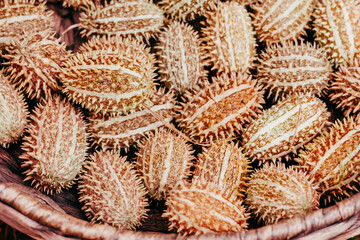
(276, 192)
(333, 158)
(163, 161)
(140, 19)
(336, 27)
(280, 20)
(111, 191)
(54, 145)
(185, 9)
(199, 207)
(345, 88)
(77, 4)
(18, 17)
(110, 80)
(181, 58)
(291, 67)
(34, 63)
(285, 127)
(224, 164)
(122, 131)
(228, 37)
(13, 112)
(220, 108)
(99, 43)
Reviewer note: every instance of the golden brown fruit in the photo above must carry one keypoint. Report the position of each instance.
(34, 62)
(111, 192)
(54, 146)
(122, 131)
(228, 38)
(163, 161)
(181, 58)
(280, 20)
(220, 109)
(333, 159)
(110, 81)
(13, 112)
(276, 192)
(224, 164)
(336, 27)
(18, 17)
(199, 207)
(139, 19)
(292, 67)
(345, 88)
(186, 9)
(285, 127)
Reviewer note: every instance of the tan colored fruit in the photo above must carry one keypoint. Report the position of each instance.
(333, 159)
(199, 207)
(221, 108)
(228, 38)
(54, 146)
(77, 4)
(336, 27)
(110, 81)
(111, 192)
(276, 193)
(13, 112)
(285, 127)
(122, 131)
(345, 88)
(163, 161)
(18, 17)
(292, 67)
(139, 19)
(224, 164)
(280, 20)
(34, 62)
(186, 9)
(181, 58)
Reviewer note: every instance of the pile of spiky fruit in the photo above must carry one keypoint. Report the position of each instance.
(190, 104)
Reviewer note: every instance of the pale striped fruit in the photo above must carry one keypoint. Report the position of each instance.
(122, 131)
(13, 112)
(219, 109)
(293, 67)
(276, 192)
(280, 20)
(163, 161)
(34, 62)
(20, 16)
(54, 146)
(345, 88)
(228, 38)
(111, 192)
(333, 159)
(199, 207)
(110, 80)
(181, 58)
(140, 19)
(285, 127)
(186, 9)
(337, 29)
(224, 164)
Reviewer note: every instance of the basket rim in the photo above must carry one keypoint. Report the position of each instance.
(14, 200)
